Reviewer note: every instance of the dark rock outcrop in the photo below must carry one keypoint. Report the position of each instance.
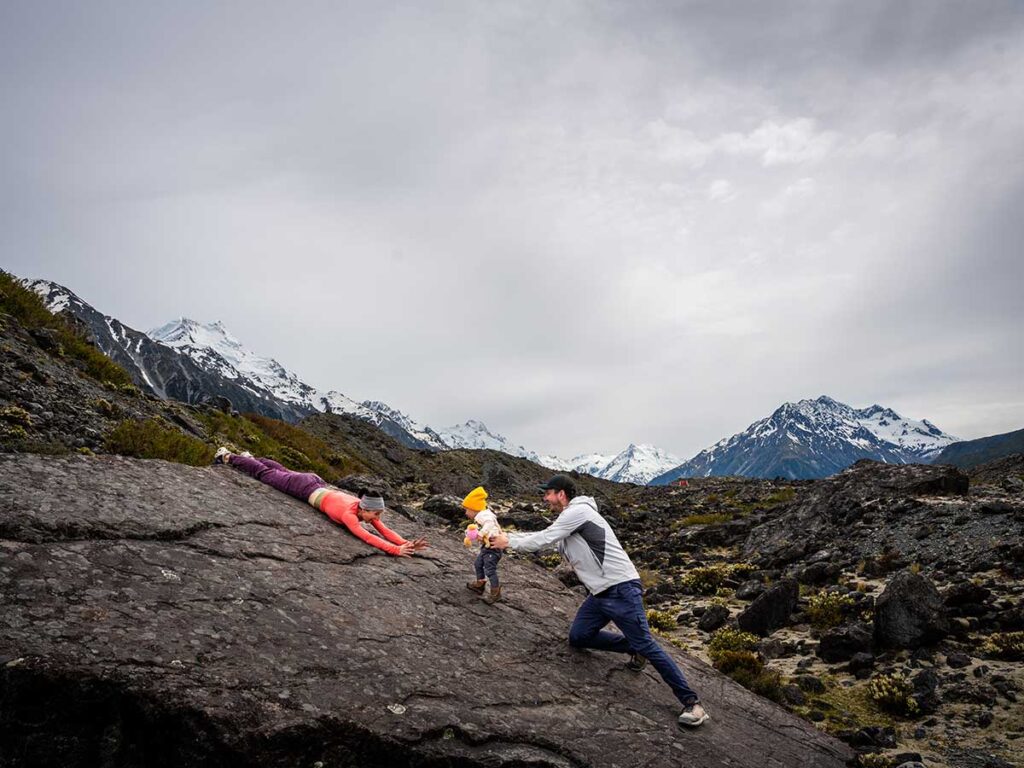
(713, 618)
(843, 643)
(909, 613)
(771, 609)
(154, 614)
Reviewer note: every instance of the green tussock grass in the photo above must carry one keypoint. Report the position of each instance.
(156, 439)
(28, 309)
(709, 518)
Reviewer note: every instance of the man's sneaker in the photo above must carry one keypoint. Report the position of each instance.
(693, 715)
(636, 662)
(221, 456)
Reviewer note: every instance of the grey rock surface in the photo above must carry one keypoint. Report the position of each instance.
(155, 614)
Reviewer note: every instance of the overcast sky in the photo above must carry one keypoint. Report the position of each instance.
(586, 224)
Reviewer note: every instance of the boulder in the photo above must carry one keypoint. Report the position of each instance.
(909, 613)
(771, 610)
(714, 617)
(162, 615)
(749, 590)
(843, 643)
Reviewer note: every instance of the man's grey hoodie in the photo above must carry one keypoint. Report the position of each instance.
(585, 539)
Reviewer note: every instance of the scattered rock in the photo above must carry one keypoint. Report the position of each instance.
(958, 660)
(771, 610)
(843, 643)
(714, 617)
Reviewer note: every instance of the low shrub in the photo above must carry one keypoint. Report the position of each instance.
(1005, 645)
(729, 639)
(874, 760)
(662, 620)
(155, 439)
(709, 518)
(825, 609)
(893, 693)
(707, 579)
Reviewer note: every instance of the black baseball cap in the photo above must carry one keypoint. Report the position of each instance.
(560, 483)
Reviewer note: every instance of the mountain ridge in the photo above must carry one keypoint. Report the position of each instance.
(814, 439)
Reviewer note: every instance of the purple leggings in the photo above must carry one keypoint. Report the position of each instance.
(297, 484)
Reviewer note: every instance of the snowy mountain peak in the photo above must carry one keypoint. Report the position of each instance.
(638, 464)
(815, 438)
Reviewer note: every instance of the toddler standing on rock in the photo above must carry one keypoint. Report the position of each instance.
(486, 563)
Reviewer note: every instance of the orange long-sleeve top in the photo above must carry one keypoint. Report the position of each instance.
(341, 508)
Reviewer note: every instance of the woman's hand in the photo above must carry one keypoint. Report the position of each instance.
(405, 550)
(500, 541)
(419, 544)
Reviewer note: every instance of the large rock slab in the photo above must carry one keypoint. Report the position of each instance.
(160, 615)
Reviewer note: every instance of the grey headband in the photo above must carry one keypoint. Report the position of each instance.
(372, 503)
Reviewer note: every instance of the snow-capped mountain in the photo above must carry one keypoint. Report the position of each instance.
(157, 368)
(813, 439)
(474, 435)
(194, 362)
(637, 464)
(214, 348)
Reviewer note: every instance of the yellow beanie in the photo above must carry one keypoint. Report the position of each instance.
(476, 499)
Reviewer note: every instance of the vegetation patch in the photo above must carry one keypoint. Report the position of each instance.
(662, 620)
(708, 579)
(1005, 645)
(710, 518)
(729, 639)
(780, 496)
(825, 609)
(893, 693)
(29, 310)
(732, 653)
(155, 439)
(874, 760)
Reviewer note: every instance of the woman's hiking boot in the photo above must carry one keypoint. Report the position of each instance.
(494, 596)
(693, 715)
(477, 586)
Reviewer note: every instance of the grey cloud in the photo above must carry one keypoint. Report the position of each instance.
(585, 224)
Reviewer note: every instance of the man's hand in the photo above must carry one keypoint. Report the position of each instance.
(419, 544)
(500, 541)
(405, 550)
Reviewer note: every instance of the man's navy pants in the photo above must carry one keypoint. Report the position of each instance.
(623, 605)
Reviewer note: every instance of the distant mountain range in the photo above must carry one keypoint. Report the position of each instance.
(194, 362)
(813, 439)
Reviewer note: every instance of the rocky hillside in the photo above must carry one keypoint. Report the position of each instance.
(160, 369)
(161, 615)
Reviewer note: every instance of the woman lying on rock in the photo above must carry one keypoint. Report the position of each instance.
(337, 505)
